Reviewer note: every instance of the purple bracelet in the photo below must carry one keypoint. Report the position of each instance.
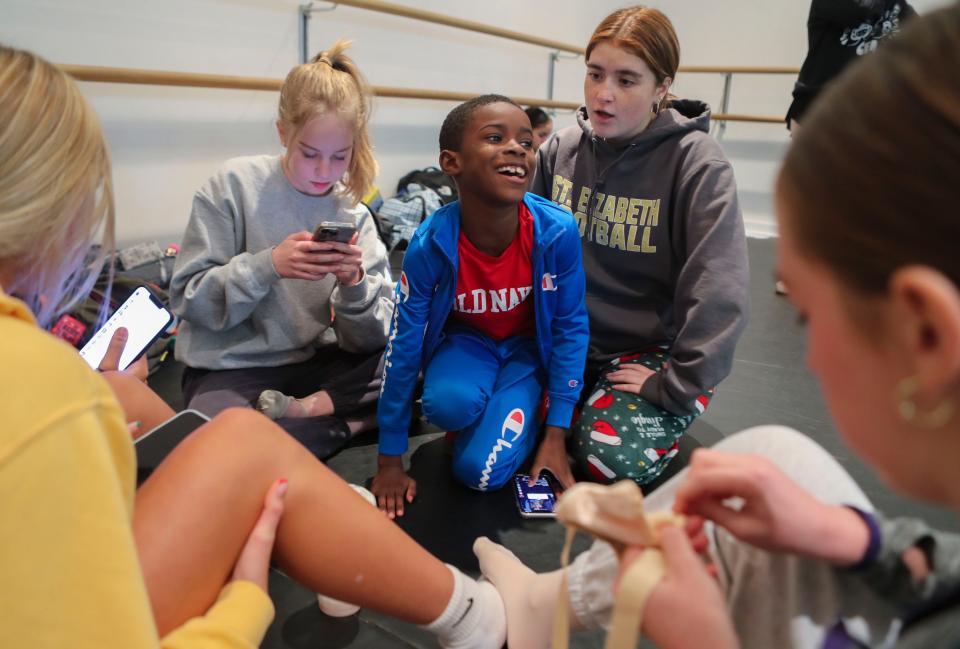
(873, 545)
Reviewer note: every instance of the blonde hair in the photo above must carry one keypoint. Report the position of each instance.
(55, 187)
(331, 82)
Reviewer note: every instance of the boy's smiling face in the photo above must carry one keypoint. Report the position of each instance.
(496, 159)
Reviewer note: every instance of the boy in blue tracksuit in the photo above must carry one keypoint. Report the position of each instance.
(490, 306)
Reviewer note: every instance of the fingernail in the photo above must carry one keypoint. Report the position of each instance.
(282, 486)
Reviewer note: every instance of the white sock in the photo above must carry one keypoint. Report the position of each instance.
(530, 598)
(474, 617)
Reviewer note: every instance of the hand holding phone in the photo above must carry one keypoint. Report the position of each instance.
(302, 256)
(143, 316)
(350, 264)
(538, 500)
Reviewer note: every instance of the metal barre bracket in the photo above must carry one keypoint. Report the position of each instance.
(724, 104)
(555, 57)
(304, 11)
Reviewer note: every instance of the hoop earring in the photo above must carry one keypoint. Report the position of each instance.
(656, 106)
(907, 407)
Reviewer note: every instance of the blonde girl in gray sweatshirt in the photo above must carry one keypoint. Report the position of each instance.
(266, 308)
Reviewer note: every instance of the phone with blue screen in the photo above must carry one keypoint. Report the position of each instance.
(538, 501)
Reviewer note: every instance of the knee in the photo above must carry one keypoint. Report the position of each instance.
(478, 472)
(490, 468)
(240, 419)
(453, 405)
(606, 453)
(771, 441)
(241, 430)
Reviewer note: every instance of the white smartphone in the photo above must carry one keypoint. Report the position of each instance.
(538, 501)
(144, 318)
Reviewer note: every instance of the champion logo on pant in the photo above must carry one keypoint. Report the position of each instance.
(404, 287)
(513, 423)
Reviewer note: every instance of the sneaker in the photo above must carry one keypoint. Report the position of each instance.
(336, 608)
(366, 493)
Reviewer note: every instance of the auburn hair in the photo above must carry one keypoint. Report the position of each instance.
(646, 33)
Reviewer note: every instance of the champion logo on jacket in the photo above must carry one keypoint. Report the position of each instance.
(404, 287)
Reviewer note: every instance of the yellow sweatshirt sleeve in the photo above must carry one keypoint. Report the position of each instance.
(239, 619)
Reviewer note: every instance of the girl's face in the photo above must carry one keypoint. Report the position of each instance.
(319, 155)
(858, 376)
(541, 133)
(619, 91)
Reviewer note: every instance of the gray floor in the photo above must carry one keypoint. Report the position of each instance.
(769, 384)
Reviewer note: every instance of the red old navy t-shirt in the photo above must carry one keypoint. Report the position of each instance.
(494, 294)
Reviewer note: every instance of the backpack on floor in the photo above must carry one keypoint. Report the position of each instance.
(401, 215)
(430, 178)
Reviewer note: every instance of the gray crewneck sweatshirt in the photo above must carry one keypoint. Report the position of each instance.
(237, 311)
(663, 245)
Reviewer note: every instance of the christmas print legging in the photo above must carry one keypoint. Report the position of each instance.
(621, 435)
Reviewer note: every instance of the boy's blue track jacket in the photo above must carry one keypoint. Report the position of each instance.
(425, 296)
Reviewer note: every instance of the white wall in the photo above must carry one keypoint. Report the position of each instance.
(166, 141)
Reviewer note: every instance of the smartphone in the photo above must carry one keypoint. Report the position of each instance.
(144, 318)
(538, 501)
(154, 446)
(334, 231)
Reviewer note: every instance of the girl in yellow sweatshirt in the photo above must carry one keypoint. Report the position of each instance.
(87, 561)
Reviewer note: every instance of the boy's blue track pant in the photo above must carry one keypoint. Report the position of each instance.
(489, 392)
